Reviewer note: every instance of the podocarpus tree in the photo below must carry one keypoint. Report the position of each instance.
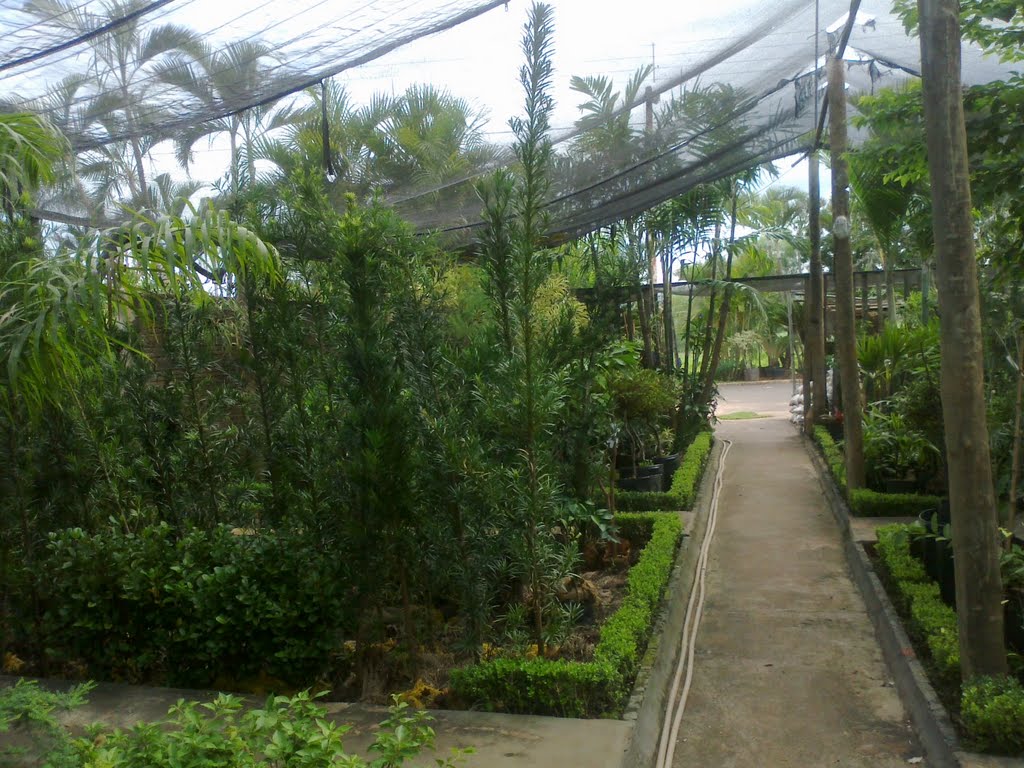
(529, 390)
(972, 499)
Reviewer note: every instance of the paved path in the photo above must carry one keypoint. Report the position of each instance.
(788, 672)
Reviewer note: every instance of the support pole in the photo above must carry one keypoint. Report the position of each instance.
(815, 347)
(972, 502)
(846, 330)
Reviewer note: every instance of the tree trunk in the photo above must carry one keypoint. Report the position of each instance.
(815, 348)
(689, 316)
(666, 300)
(643, 314)
(1011, 510)
(705, 355)
(890, 290)
(846, 330)
(652, 258)
(976, 548)
(723, 312)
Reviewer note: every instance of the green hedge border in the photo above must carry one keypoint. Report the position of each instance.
(684, 482)
(864, 502)
(585, 689)
(992, 711)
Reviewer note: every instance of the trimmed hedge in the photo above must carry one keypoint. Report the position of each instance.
(684, 482)
(992, 711)
(585, 689)
(833, 456)
(931, 622)
(864, 502)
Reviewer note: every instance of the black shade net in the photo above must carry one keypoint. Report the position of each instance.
(729, 88)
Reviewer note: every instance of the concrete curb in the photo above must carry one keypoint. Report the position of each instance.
(654, 680)
(929, 716)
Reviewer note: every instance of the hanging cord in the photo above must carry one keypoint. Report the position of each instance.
(694, 610)
(329, 170)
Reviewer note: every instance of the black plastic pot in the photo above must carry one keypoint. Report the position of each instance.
(1014, 620)
(937, 550)
(900, 486)
(647, 479)
(669, 464)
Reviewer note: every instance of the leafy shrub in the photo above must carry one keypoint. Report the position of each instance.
(286, 731)
(150, 606)
(589, 689)
(685, 481)
(865, 502)
(868, 503)
(893, 449)
(993, 714)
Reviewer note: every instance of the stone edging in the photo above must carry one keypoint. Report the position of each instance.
(646, 707)
(929, 716)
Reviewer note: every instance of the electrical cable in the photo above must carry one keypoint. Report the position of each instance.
(676, 705)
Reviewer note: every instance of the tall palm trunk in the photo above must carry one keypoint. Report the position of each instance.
(723, 312)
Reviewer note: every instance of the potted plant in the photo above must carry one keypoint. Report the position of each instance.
(642, 402)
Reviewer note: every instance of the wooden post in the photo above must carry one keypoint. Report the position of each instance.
(815, 347)
(846, 328)
(972, 500)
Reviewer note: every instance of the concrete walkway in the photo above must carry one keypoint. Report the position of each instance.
(788, 671)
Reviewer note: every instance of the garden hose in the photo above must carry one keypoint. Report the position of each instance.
(694, 609)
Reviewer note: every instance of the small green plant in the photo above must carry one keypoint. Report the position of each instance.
(287, 731)
(893, 450)
(29, 712)
(993, 714)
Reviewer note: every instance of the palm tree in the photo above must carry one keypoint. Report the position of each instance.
(604, 119)
(884, 205)
(30, 152)
(113, 106)
(218, 77)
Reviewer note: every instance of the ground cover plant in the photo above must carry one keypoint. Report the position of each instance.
(287, 730)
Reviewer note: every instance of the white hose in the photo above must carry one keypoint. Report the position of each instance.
(694, 609)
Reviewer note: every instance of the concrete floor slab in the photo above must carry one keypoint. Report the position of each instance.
(788, 671)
